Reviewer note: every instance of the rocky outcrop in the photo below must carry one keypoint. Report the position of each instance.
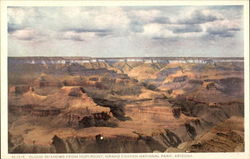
(180, 79)
(45, 80)
(116, 107)
(17, 145)
(45, 112)
(59, 145)
(97, 120)
(227, 136)
(20, 89)
(34, 110)
(101, 143)
(76, 92)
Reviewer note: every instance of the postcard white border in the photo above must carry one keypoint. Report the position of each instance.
(4, 49)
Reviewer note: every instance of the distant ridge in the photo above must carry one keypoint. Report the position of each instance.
(69, 60)
(87, 57)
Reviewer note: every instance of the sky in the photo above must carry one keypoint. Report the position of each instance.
(127, 31)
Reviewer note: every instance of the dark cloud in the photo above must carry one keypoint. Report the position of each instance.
(102, 34)
(136, 26)
(197, 17)
(98, 32)
(26, 38)
(165, 39)
(234, 29)
(82, 30)
(74, 38)
(222, 32)
(78, 31)
(13, 27)
(227, 7)
(158, 38)
(161, 20)
(187, 29)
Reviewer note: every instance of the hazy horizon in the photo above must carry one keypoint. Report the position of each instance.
(134, 31)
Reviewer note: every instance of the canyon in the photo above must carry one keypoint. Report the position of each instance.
(125, 105)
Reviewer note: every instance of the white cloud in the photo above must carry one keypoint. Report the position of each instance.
(28, 35)
(114, 18)
(226, 24)
(154, 30)
(145, 16)
(19, 16)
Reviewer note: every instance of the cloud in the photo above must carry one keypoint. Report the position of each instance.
(161, 20)
(27, 35)
(187, 23)
(158, 31)
(76, 36)
(78, 19)
(155, 30)
(102, 34)
(97, 32)
(82, 30)
(146, 29)
(13, 27)
(222, 32)
(81, 34)
(223, 28)
(140, 18)
(199, 17)
(18, 15)
(144, 16)
(136, 26)
(71, 36)
(187, 28)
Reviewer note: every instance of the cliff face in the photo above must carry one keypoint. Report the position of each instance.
(133, 143)
(227, 136)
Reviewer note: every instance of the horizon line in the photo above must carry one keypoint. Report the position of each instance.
(127, 57)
